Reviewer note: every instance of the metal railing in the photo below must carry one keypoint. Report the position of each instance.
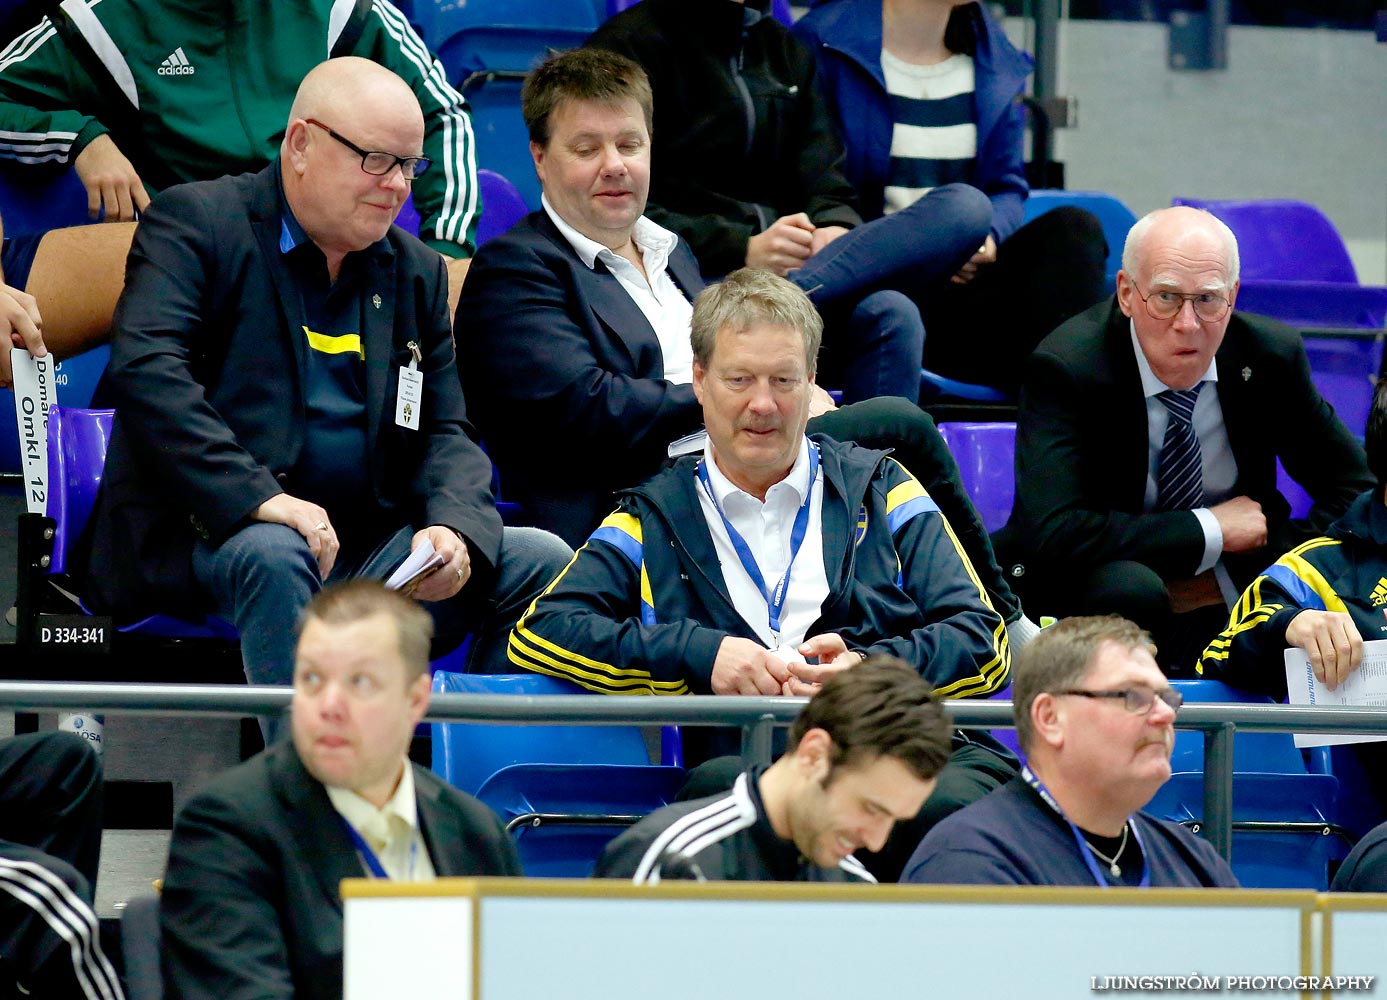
(757, 718)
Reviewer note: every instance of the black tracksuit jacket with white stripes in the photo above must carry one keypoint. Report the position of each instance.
(721, 838)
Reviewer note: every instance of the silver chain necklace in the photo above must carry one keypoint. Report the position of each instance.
(1111, 862)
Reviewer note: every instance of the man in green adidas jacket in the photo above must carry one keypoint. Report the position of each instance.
(142, 94)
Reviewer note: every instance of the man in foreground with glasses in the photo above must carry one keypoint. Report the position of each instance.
(288, 405)
(1147, 442)
(1095, 717)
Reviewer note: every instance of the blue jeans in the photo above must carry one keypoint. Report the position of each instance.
(865, 281)
(262, 578)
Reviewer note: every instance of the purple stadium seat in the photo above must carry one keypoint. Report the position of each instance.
(1295, 266)
(502, 205)
(985, 454)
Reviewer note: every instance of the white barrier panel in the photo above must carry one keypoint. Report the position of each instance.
(507, 939)
(1355, 938)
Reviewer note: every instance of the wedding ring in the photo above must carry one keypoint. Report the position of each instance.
(322, 526)
(459, 572)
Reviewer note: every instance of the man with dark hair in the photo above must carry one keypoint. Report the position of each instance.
(287, 402)
(1145, 466)
(772, 560)
(50, 844)
(863, 754)
(750, 171)
(250, 905)
(1095, 717)
(140, 95)
(573, 328)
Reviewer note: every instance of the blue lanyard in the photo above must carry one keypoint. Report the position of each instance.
(775, 601)
(1085, 851)
(368, 856)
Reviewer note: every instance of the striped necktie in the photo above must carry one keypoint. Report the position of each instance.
(1180, 474)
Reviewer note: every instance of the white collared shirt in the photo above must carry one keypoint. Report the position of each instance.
(1220, 468)
(392, 831)
(655, 293)
(766, 527)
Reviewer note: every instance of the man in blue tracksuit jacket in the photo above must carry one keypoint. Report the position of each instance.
(774, 560)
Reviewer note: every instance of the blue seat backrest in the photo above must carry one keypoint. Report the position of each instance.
(780, 9)
(1115, 217)
(1261, 752)
(507, 34)
(502, 205)
(985, 453)
(467, 754)
(77, 441)
(1282, 239)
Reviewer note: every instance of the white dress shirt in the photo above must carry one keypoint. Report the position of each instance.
(392, 831)
(655, 293)
(766, 527)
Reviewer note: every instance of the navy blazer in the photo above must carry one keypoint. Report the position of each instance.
(1081, 448)
(565, 375)
(208, 371)
(251, 906)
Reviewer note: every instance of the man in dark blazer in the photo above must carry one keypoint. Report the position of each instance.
(573, 328)
(251, 905)
(287, 399)
(1098, 508)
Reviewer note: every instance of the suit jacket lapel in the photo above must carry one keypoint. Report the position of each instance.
(1125, 414)
(1240, 410)
(377, 340)
(440, 827)
(267, 223)
(612, 305)
(319, 834)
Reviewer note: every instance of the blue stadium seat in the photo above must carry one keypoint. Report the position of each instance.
(563, 791)
(936, 388)
(77, 442)
(1284, 829)
(1115, 217)
(780, 9)
(985, 453)
(486, 47)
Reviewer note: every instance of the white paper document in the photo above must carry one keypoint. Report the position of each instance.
(1365, 686)
(421, 562)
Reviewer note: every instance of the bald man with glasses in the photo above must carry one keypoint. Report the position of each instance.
(1095, 717)
(1147, 441)
(288, 410)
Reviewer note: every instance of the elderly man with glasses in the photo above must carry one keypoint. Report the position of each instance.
(288, 410)
(1147, 441)
(1095, 717)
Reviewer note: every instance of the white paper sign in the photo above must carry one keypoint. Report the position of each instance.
(35, 390)
(1365, 686)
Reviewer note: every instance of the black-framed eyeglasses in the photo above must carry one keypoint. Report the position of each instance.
(1137, 700)
(377, 162)
(1165, 304)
